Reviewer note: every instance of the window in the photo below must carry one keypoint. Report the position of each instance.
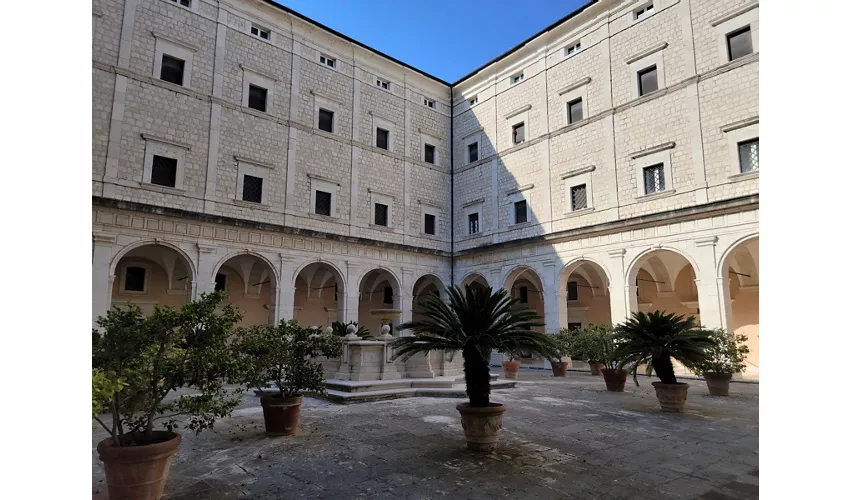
(257, 97)
(381, 212)
(429, 153)
(472, 150)
(326, 120)
(220, 282)
(260, 32)
(184, 3)
(164, 171)
(643, 12)
(473, 101)
(323, 203)
(572, 290)
(739, 43)
(388, 295)
(172, 70)
(572, 49)
(578, 197)
(430, 224)
(134, 279)
(520, 212)
(327, 61)
(382, 83)
(382, 139)
(748, 155)
(517, 78)
(574, 111)
(428, 102)
(518, 132)
(648, 80)
(653, 178)
(573, 326)
(523, 295)
(252, 189)
(473, 223)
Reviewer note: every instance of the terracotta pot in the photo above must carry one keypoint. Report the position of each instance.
(281, 414)
(671, 396)
(138, 472)
(595, 368)
(615, 380)
(718, 383)
(511, 369)
(481, 426)
(560, 369)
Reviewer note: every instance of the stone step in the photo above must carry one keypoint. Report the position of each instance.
(456, 391)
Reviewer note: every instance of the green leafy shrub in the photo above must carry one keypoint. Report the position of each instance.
(103, 389)
(726, 354)
(591, 343)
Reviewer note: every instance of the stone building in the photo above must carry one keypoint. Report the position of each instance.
(608, 164)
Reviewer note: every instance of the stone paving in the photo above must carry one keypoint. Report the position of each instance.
(564, 438)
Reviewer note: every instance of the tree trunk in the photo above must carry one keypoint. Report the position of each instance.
(477, 374)
(663, 367)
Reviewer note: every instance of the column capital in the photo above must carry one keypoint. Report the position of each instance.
(103, 238)
(617, 254)
(284, 257)
(206, 248)
(706, 241)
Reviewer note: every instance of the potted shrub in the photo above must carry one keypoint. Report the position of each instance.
(511, 367)
(725, 357)
(654, 339)
(475, 322)
(612, 371)
(138, 362)
(583, 344)
(560, 364)
(284, 355)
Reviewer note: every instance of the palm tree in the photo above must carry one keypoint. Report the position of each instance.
(475, 322)
(656, 338)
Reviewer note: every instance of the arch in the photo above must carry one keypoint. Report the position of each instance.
(577, 263)
(132, 246)
(373, 312)
(741, 296)
(328, 263)
(583, 308)
(312, 302)
(517, 271)
(422, 282)
(155, 283)
(379, 268)
(224, 259)
(730, 250)
(474, 276)
(637, 262)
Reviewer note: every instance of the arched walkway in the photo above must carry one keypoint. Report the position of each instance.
(740, 273)
(474, 280)
(583, 292)
(251, 285)
(380, 301)
(152, 275)
(663, 280)
(524, 284)
(319, 295)
(427, 285)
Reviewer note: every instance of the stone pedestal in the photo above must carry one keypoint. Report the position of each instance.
(367, 360)
(419, 366)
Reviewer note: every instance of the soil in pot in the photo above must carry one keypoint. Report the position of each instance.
(138, 472)
(560, 369)
(481, 425)
(671, 396)
(281, 414)
(615, 380)
(718, 383)
(595, 367)
(511, 369)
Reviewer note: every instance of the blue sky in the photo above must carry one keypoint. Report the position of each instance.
(445, 38)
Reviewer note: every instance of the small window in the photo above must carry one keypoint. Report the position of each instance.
(653, 178)
(430, 224)
(572, 290)
(739, 43)
(327, 61)
(382, 139)
(578, 197)
(172, 70)
(381, 212)
(429, 103)
(134, 279)
(388, 295)
(518, 133)
(643, 12)
(517, 78)
(575, 111)
(648, 80)
(430, 151)
(220, 282)
(473, 223)
(748, 155)
(473, 152)
(523, 295)
(257, 97)
(572, 49)
(252, 189)
(520, 212)
(382, 83)
(323, 203)
(326, 120)
(473, 101)
(184, 3)
(164, 171)
(260, 32)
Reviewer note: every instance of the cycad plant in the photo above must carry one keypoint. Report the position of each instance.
(656, 338)
(475, 322)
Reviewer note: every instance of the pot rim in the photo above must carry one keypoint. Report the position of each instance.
(677, 384)
(108, 451)
(277, 400)
(494, 408)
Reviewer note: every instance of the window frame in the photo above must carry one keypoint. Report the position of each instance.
(260, 30)
(429, 140)
(319, 123)
(469, 152)
(644, 11)
(326, 186)
(514, 133)
(224, 274)
(570, 119)
(477, 215)
(433, 217)
(429, 103)
(433, 210)
(265, 98)
(578, 177)
(153, 170)
(571, 200)
(329, 62)
(642, 161)
(730, 22)
(739, 31)
(321, 102)
(472, 101)
(122, 290)
(383, 84)
(660, 167)
(155, 146)
(251, 77)
(643, 62)
(376, 210)
(574, 287)
(736, 133)
(376, 199)
(254, 169)
(576, 48)
(378, 122)
(517, 78)
(178, 50)
(740, 159)
(516, 211)
(649, 69)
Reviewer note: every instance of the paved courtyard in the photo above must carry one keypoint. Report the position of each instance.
(562, 438)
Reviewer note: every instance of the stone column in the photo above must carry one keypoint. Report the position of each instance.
(207, 260)
(285, 299)
(621, 294)
(102, 278)
(407, 283)
(709, 288)
(352, 293)
(551, 301)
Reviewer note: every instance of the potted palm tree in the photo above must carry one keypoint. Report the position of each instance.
(285, 355)
(655, 339)
(137, 363)
(725, 358)
(475, 322)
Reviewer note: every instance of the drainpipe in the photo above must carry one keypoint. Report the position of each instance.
(452, 190)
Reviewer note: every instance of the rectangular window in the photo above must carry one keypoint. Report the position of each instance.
(252, 189)
(260, 32)
(323, 203)
(520, 212)
(382, 83)
(473, 223)
(523, 295)
(518, 133)
(572, 49)
(388, 295)
(383, 139)
(327, 61)
(643, 12)
(430, 151)
(473, 101)
(184, 3)
(517, 78)
(220, 282)
(748, 154)
(381, 212)
(572, 290)
(653, 179)
(134, 279)
(739, 43)
(473, 152)
(430, 224)
(575, 111)
(172, 70)
(326, 120)
(429, 103)
(578, 197)
(164, 171)
(257, 98)
(648, 80)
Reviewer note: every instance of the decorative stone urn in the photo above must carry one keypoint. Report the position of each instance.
(671, 396)
(482, 426)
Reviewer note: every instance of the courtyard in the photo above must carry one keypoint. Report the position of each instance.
(561, 438)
